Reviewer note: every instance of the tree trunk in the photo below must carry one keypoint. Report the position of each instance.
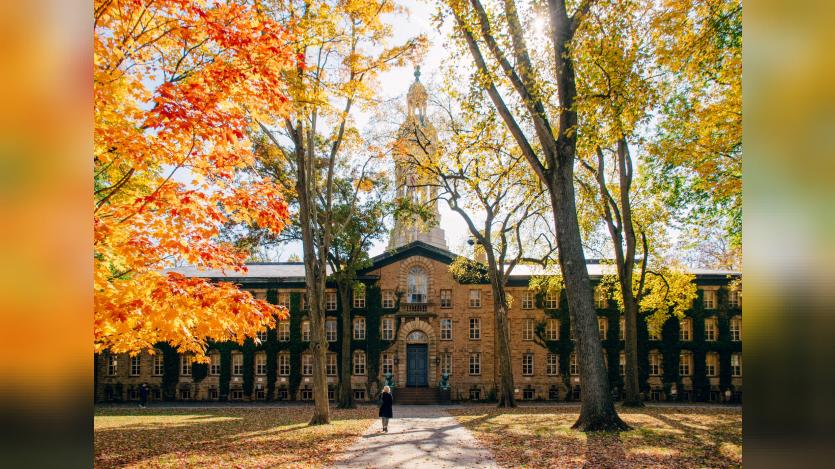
(597, 411)
(505, 374)
(632, 388)
(346, 395)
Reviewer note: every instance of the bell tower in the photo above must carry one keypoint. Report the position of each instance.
(416, 140)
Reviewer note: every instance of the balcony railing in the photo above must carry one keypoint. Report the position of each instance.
(414, 307)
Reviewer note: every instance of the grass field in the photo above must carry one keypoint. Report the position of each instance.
(541, 437)
(223, 437)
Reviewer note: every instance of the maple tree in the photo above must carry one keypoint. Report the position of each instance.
(343, 48)
(176, 84)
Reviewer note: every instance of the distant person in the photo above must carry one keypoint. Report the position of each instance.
(143, 395)
(385, 407)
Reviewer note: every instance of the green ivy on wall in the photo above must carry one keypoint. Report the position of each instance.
(272, 350)
(170, 371)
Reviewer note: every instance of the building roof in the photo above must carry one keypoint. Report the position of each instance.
(293, 272)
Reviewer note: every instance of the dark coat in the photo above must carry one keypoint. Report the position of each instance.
(385, 405)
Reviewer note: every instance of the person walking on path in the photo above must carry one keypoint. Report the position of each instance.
(385, 407)
(143, 395)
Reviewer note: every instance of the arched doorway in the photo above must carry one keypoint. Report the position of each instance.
(417, 359)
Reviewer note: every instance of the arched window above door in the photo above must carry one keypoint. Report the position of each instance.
(416, 337)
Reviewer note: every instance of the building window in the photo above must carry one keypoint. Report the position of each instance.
(527, 329)
(475, 298)
(236, 394)
(446, 329)
(527, 364)
(734, 298)
(601, 300)
(305, 331)
(260, 393)
(446, 298)
(330, 330)
(261, 364)
(214, 364)
(552, 300)
(475, 328)
(331, 393)
(359, 394)
(283, 394)
(330, 301)
(261, 336)
(685, 361)
(416, 283)
(475, 363)
(359, 328)
(283, 331)
(685, 329)
(304, 300)
(553, 393)
(552, 364)
(710, 329)
(284, 299)
(388, 363)
(307, 364)
(654, 333)
(603, 327)
(388, 329)
(112, 365)
(359, 362)
(736, 364)
(528, 394)
(330, 364)
(135, 365)
(654, 363)
(185, 365)
(709, 299)
(571, 331)
(284, 364)
(622, 329)
(475, 394)
(214, 394)
(185, 394)
(237, 364)
(711, 363)
(527, 299)
(736, 328)
(359, 295)
(307, 394)
(388, 299)
(573, 368)
(552, 329)
(159, 363)
(446, 363)
(622, 364)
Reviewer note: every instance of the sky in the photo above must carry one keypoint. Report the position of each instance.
(394, 85)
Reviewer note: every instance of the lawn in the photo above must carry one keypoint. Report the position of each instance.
(661, 437)
(223, 437)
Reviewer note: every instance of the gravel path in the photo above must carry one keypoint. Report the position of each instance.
(418, 436)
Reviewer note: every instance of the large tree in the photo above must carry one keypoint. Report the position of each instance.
(175, 84)
(474, 167)
(342, 49)
(542, 118)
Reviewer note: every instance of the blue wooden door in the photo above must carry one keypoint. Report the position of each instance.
(416, 356)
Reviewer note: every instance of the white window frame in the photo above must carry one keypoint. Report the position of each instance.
(446, 298)
(283, 331)
(552, 329)
(330, 330)
(237, 364)
(214, 364)
(573, 366)
(685, 330)
(446, 329)
(112, 365)
(284, 299)
(330, 301)
(306, 330)
(655, 363)
(387, 363)
(359, 328)
(359, 296)
(603, 327)
(601, 300)
(711, 332)
(736, 365)
(527, 299)
(387, 325)
(734, 298)
(417, 285)
(475, 363)
(552, 300)
(283, 364)
(359, 363)
(159, 364)
(330, 364)
(527, 329)
(685, 364)
(735, 329)
(446, 363)
(261, 364)
(307, 364)
(185, 364)
(136, 365)
(261, 336)
(475, 298)
(552, 364)
(709, 299)
(389, 299)
(711, 364)
(475, 329)
(527, 364)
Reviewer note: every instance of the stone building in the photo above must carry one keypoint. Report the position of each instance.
(412, 318)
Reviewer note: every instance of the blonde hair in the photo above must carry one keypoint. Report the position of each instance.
(386, 389)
